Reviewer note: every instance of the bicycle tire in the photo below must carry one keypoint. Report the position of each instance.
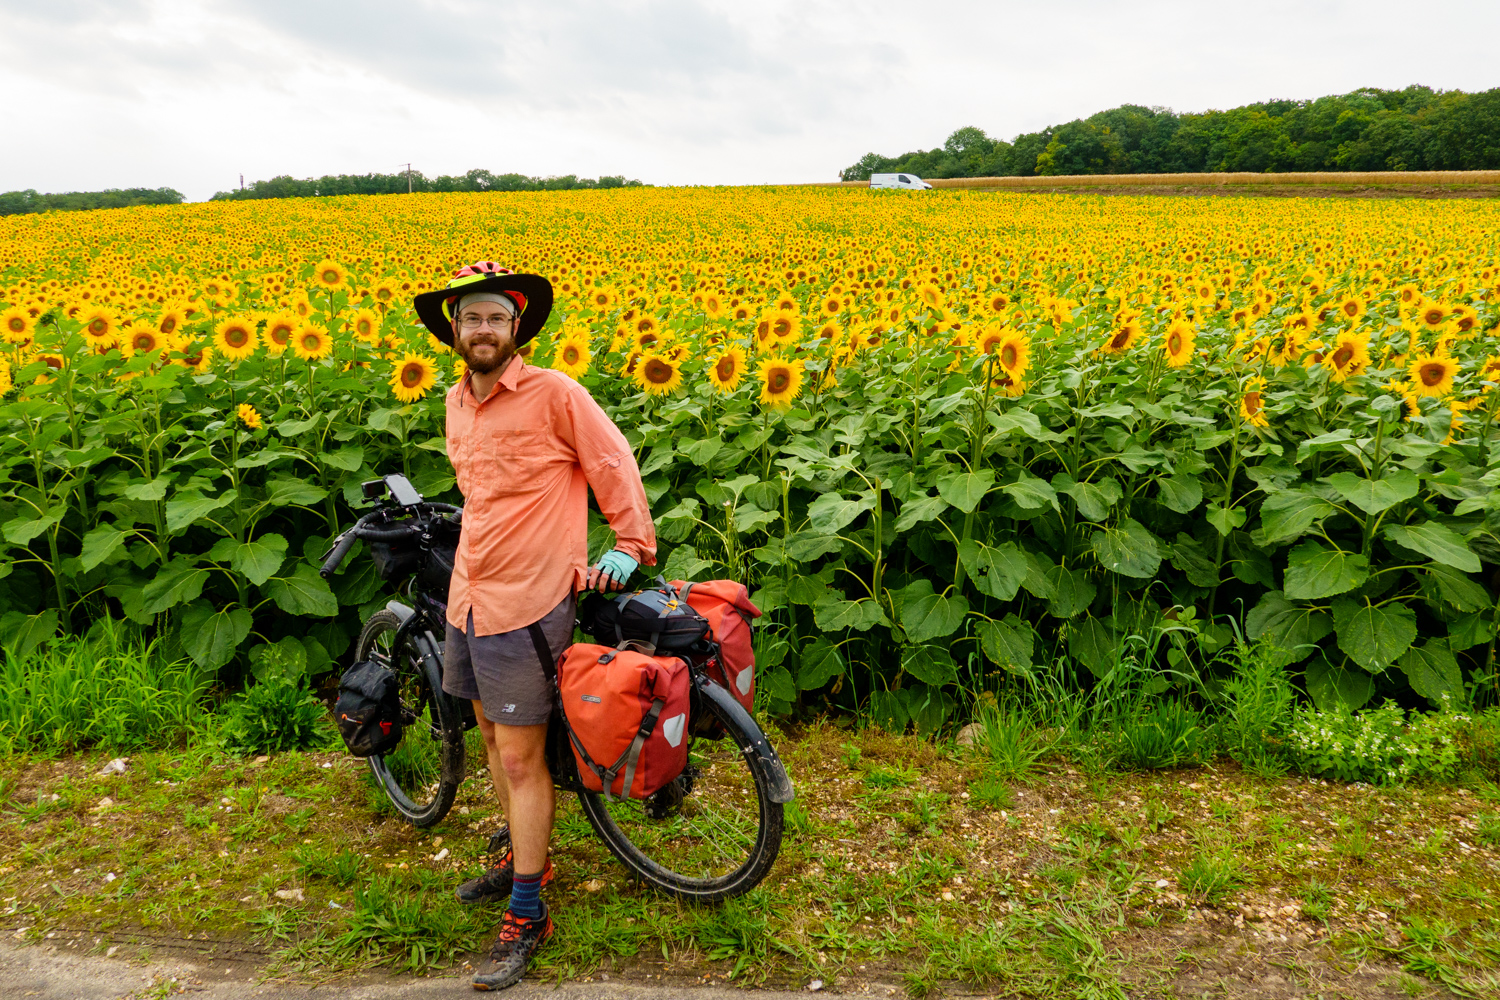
(407, 774)
(758, 859)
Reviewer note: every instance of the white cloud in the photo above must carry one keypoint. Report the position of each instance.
(191, 94)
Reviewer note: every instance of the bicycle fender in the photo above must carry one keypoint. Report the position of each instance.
(781, 785)
(400, 610)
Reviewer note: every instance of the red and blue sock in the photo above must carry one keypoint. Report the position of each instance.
(526, 895)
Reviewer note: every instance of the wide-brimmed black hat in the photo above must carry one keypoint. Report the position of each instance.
(531, 293)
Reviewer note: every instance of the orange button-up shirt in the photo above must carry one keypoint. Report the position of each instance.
(525, 457)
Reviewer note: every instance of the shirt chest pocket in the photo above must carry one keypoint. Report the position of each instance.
(507, 460)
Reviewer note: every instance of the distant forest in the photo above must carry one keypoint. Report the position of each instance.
(22, 202)
(474, 180)
(1413, 129)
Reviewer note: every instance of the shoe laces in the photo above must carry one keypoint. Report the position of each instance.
(511, 927)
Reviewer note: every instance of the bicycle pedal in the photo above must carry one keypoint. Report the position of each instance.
(499, 841)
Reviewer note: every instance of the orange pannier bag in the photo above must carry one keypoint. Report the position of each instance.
(626, 717)
(726, 605)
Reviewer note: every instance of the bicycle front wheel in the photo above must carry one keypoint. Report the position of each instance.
(711, 834)
(421, 776)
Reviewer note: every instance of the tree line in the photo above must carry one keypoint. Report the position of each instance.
(1417, 128)
(23, 202)
(399, 183)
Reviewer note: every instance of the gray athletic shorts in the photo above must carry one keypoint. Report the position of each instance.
(502, 671)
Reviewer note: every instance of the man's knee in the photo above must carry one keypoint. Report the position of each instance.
(523, 764)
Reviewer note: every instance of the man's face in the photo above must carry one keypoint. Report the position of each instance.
(485, 336)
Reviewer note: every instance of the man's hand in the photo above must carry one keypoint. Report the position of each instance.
(611, 571)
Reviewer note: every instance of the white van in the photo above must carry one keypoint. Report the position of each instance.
(903, 182)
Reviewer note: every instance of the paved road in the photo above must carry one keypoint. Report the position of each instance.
(46, 973)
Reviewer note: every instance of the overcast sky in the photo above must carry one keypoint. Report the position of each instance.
(192, 93)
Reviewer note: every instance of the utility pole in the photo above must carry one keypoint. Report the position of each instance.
(242, 182)
(408, 178)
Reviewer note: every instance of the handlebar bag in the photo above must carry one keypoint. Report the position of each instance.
(658, 617)
(368, 709)
(626, 716)
(726, 606)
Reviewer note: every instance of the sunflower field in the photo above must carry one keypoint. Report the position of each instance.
(950, 440)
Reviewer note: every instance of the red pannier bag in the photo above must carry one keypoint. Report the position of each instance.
(627, 717)
(726, 605)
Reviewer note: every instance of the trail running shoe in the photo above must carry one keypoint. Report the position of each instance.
(496, 883)
(511, 953)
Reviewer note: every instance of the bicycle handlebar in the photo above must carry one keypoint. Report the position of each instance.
(340, 550)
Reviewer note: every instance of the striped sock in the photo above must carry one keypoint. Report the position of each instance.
(526, 896)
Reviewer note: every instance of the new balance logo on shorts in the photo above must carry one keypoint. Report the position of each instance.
(509, 708)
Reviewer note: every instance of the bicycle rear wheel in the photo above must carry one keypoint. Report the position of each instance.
(713, 833)
(421, 776)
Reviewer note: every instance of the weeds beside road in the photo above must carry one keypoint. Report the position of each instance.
(906, 865)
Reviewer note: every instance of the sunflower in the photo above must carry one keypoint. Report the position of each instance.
(1014, 353)
(1178, 345)
(1352, 308)
(413, 376)
(714, 306)
(1433, 315)
(278, 332)
(171, 320)
(657, 375)
(990, 338)
(780, 381)
(329, 276)
(571, 357)
(727, 370)
(235, 338)
(1349, 354)
(784, 326)
(100, 327)
(366, 326)
(16, 325)
(1125, 335)
(301, 305)
(1432, 374)
(1252, 403)
(1491, 370)
(249, 416)
(54, 362)
(383, 294)
(998, 302)
(140, 338)
(194, 355)
(310, 343)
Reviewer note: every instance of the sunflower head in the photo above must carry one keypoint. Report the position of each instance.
(329, 276)
(657, 374)
(414, 374)
(1252, 403)
(1432, 374)
(726, 370)
(311, 343)
(235, 338)
(780, 381)
(1178, 343)
(249, 416)
(571, 356)
(366, 326)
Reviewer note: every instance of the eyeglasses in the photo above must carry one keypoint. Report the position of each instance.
(469, 321)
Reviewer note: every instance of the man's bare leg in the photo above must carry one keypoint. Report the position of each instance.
(518, 769)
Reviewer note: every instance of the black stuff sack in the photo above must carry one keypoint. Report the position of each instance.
(368, 710)
(657, 617)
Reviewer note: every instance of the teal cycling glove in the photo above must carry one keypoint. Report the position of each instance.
(617, 564)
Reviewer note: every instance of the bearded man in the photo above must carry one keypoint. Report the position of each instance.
(526, 445)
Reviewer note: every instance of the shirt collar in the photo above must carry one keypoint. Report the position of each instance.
(508, 379)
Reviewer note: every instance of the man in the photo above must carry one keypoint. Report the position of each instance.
(526, 444)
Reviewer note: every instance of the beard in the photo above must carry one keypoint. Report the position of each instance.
(485, 355)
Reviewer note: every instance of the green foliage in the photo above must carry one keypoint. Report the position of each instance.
(110, 689)
(1370, 129)
(1167, 734)
(329, 185)
(23, 202)
(1211, 874)
(1379, 746)
(274, 714)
